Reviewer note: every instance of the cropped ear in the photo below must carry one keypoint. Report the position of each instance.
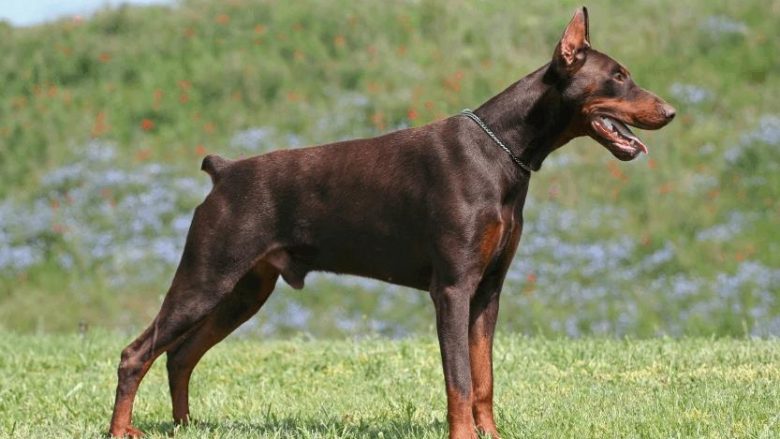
(571, 51)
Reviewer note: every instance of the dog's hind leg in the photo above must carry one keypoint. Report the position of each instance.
(170, 324)
(213, 262)
(243, 302)
(175, 320)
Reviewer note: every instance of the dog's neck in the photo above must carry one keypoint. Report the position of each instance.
(530, 117)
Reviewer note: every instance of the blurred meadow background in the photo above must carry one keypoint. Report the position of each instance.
(105, 117)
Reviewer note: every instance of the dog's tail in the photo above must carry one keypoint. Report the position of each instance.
(214, 165)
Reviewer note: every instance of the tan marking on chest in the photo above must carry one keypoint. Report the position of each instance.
(491, 239)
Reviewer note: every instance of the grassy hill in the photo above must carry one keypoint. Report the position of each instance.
(103, 123)
(63, 386)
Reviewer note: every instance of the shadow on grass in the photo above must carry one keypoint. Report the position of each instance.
(298, 427)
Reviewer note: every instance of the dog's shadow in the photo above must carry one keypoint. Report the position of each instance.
(297, 427)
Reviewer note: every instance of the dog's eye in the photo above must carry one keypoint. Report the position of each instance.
(619, 77)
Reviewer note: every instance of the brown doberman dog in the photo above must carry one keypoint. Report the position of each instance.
(435, 208)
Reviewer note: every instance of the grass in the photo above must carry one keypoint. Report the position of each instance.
(57, 385)
(103, 123)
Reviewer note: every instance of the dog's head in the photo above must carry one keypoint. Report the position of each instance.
(605, 98)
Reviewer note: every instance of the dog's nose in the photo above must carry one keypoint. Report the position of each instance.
(668, 111)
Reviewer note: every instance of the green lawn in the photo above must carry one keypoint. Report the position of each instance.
(62, 386)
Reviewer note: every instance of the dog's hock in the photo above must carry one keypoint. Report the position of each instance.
(214, 165)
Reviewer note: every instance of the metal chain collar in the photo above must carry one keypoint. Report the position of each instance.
(495, 138)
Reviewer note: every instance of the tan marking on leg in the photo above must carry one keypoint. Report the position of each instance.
(459, 415)
(482, 381)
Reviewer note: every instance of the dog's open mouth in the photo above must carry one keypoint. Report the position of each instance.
(617, 137)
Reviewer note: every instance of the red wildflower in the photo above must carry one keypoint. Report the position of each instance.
(651, 164)
(147, 124)
(294, 96)
(100, 127)
(666, 188)
(378, 119)
(615, 170)
(143, 154)
(158, 95)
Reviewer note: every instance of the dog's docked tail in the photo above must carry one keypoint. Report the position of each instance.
(214, 165)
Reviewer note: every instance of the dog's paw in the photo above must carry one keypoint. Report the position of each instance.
(128, 431)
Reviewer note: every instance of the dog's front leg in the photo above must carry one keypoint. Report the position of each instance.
(482, 325)
(452, 326)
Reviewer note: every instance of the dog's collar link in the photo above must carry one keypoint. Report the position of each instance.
(495, 138)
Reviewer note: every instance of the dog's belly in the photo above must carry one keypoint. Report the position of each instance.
(386, 261)
(407, 270)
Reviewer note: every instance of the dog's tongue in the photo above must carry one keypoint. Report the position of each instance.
(625, 132)
(641, 145)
